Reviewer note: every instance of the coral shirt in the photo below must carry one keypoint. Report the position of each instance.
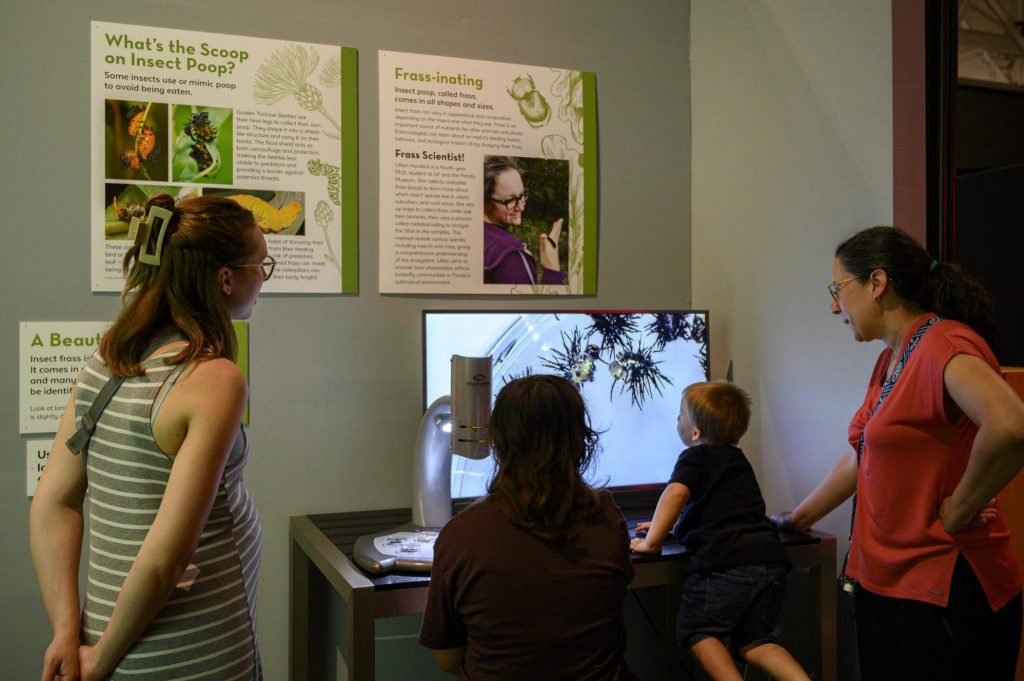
(913, 458)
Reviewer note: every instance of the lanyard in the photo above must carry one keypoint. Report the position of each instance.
(848, 582)
(891, 381)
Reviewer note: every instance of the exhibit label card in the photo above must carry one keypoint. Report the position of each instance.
(487, 177)
(37, 453)
(51, 354)
(269, 123)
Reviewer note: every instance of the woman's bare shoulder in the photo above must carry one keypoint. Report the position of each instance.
(211, 383)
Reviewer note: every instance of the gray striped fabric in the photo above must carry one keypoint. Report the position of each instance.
(207, 629)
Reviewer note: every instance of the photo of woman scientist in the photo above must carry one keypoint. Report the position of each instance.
(938, 435)
(529, 582)
(174, 539)
(507, 260)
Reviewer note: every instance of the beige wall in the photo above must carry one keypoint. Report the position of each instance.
(792, 150)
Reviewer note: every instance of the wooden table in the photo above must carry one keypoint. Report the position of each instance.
(321, 545)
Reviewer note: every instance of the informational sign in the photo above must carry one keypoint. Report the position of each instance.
(270, 124)
(52, 353)
(37, 452)
(487, 177)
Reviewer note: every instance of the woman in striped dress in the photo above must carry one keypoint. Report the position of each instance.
(174, 539)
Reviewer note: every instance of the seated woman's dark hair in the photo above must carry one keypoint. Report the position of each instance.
(204, 234)
(943, 288)
(543, 444)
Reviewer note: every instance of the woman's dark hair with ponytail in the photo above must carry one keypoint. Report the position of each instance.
(543, 443)
(943, 288)
(204, 234)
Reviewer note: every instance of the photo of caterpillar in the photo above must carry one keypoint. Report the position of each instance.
(280, 213)
(135, 140)
(203, 144)
(122, 202)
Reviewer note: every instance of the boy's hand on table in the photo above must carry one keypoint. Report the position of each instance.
(641, 545)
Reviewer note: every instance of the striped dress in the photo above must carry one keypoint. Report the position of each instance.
(207, 629)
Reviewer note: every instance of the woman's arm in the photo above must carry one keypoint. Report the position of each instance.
(997, 454)
(670, 505)
(838, 486)
(55, 539)
(205, 406)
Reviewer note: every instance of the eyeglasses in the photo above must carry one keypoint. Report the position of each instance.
(267, 265)
(512, 202)
(834, 287)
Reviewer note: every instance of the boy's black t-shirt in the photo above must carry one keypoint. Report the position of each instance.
(724, 525)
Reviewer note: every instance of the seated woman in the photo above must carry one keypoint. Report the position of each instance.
(529, 582)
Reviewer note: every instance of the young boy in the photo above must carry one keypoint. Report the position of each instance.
(735, 579)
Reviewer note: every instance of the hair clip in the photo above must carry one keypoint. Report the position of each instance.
(155, 213)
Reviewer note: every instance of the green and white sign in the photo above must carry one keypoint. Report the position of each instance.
(270, 124)
(445, 124)
(52, 353)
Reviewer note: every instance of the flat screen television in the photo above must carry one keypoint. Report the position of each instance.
(631, 368)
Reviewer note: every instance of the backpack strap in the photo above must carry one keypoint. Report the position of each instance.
(80, 440)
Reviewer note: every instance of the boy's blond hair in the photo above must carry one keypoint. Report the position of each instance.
(720, 409)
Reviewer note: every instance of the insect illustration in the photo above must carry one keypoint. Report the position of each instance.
(333, 175)
(532, 104)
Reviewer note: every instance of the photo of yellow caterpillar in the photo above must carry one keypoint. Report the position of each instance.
(277, 212)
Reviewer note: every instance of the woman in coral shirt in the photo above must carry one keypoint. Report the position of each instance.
(939, 434)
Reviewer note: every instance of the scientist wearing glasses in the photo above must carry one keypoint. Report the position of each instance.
(938, 436)
(506, 259)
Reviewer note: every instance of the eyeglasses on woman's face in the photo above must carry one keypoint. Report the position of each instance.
(833, 287)
(513, 201)
(267, 266)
